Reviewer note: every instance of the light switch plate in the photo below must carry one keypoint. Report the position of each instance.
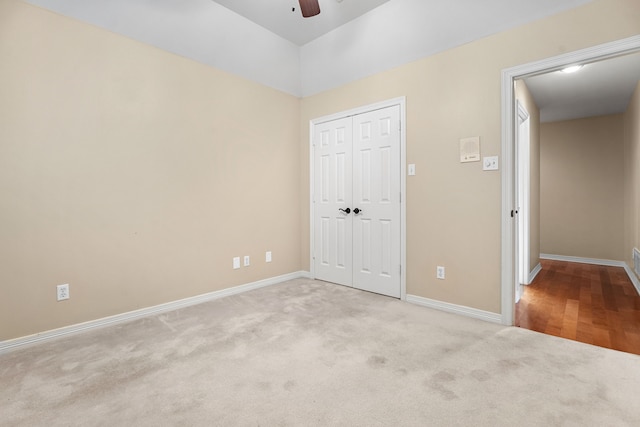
(490, 163)
(411, 169)
(236, 263)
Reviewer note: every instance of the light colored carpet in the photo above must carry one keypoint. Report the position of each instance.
(308, 353)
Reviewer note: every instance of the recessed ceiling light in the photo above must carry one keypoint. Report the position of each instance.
(572, 69)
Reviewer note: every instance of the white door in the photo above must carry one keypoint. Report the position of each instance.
(333, 223)
(357, 201)
(376, 201)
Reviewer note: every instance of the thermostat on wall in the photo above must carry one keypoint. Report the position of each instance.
(470, 149)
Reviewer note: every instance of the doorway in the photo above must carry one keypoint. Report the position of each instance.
(357, 205)
(511, 253)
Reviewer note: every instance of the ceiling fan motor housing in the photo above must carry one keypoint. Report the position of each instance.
(309, 8)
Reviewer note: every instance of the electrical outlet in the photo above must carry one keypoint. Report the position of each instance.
(267, 256)
(440, 272)
(236, 263)
(62, 292)
(247, 261)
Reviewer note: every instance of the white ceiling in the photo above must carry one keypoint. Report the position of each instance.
(264, 41)
(599, 88)
(283, 17)
(604, 87)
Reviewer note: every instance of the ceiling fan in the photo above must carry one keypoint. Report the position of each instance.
(309, 8)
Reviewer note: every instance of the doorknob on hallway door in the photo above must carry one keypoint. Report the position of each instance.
(347, 211)
(357, 211)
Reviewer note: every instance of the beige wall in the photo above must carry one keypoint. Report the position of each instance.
(582, 187)
(526, 99)
(132, 174)
(632, 176)
(454, 209)
(136, 175)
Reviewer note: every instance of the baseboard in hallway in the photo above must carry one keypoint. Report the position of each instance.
(534, 273)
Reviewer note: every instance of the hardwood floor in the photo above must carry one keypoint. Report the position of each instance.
(588, 303)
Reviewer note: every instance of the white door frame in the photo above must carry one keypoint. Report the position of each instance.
(509, 252)
(401, 102)
(523, 176)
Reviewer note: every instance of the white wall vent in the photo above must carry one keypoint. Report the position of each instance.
(636, 261)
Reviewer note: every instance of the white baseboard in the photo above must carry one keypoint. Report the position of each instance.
(456, 309)
(595, 261)
(144, 312)
(537, 269)
(608, 262)
(633, 277)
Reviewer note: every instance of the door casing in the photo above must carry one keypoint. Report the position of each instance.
(523, 177)
(401, 102)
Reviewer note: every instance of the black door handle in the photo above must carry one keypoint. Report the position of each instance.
(347, 211)
(357, 211)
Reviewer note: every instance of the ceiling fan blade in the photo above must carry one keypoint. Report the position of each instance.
(309, 8)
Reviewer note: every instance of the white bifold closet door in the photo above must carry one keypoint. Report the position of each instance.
(357, 201)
